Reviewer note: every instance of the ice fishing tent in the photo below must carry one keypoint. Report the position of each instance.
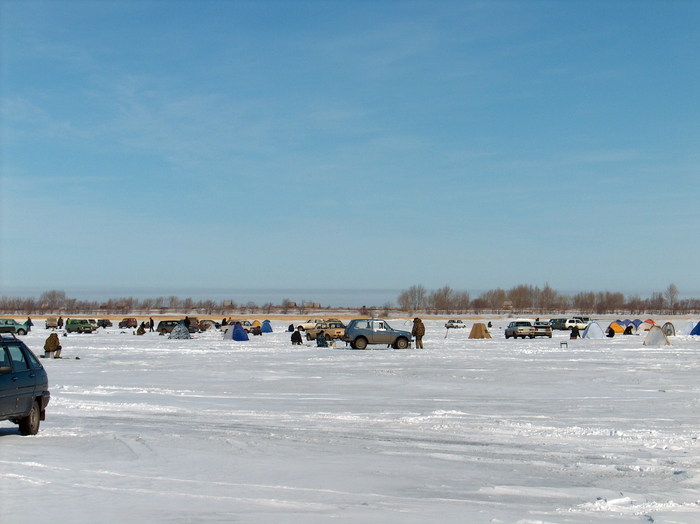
(645, 326)
(656, 337)
(669, 329)
(617, 327)
(593, 331)
(236, 332)
(688, 328)
(180, 332)
(637, 322)
(266, 327)
(479, 331)
(696, 330)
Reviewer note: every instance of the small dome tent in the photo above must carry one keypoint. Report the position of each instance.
(593, 331)
(669, 329)
(479, 331)
(266, 327)
(645, 326)
(617, 327)
(237, 333)
(637, 322)
(180, 332)
(688, 328)
(656, 337)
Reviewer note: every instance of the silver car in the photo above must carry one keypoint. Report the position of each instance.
(363, 331)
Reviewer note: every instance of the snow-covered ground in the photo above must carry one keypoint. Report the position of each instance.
(147, 429)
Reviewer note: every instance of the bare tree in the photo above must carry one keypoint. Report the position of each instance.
(414, 298)
(672, 297)
(441, 299)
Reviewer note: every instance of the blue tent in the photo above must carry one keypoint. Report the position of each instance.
(236, 332)
(637, 322)
(239, 333)
(696, 330)
(266, 327)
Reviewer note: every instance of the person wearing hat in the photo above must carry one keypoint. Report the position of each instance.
(418, 331)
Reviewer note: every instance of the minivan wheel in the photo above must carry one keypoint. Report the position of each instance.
(29, 425)
(21, 332)
(360, 343)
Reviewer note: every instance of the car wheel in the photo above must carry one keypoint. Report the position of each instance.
(327, 337)
(29, 425)
(360, 343)
(507, 337)
(401, 343)
(300, 328)
(21, 332)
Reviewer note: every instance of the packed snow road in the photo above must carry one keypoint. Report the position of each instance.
(147, 429)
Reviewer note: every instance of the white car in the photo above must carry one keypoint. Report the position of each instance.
(455, 324)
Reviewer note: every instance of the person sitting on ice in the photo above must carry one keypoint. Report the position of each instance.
(575, 333)
(321, 339)
(52, 345)
(296, 338)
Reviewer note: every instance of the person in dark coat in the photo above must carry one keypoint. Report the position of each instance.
(151, 324)
(321, 339)
(60, 323)
(296, 338)
(610, 333)
(628, 330)
(575, 333)
(418, 331)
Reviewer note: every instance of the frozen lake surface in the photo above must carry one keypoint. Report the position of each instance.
(147, 429)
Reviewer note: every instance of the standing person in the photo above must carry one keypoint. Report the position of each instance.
(151, 324)
(418, 331)
(60, 323)
(52, 345)
(574, 333)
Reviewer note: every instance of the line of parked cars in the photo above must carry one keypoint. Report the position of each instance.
(527, 328)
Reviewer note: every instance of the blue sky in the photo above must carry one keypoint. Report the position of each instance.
(172, 145)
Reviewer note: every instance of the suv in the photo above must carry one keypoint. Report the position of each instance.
(521, 327)
(24, 386)
(166, 326)
(333, 329)
(104, 323)
(455, 324)
(128, 322)
(363, 331)
(575, 322)
(10, 325)
(79, 325)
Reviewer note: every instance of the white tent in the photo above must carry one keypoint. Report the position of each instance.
(687, 328)
(656, 337)
(593, 330)
(180, 332)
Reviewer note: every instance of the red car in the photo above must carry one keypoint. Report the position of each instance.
(128, 322)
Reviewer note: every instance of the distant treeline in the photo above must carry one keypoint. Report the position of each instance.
(532, 299)
(521, 299)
